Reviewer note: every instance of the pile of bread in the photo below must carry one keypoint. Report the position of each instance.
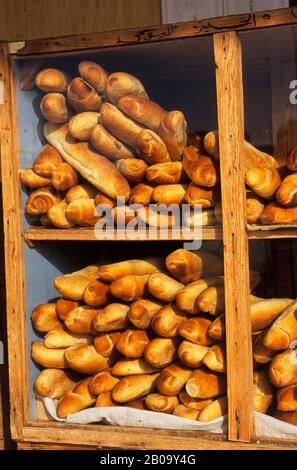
(107, 139)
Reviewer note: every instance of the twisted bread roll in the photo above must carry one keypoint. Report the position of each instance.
(108, 145)
(61, 338)
(29, 178)
(119, 125)
(112, 317)
(160, 352)
(274, 213)
(112, 272)
(132, 343)
(163, 287)
(212, 300)
(217, 329)
(132, 168)
(57, 215)
(82, 212)
(97, 294)
(254, 208)
(263, 312)
(105, 399)
(76, 400)
(151, 147)
(94, 74)
(196, 330)
(133, 387)
(84, 190)
(206, 384)
(146, 112)
(215, 358)
(262, 391)
(46, 161)
(287, 398)
(64, 307)
(214, 410)
(161, 403)
(186, 298)
(283, 369)
(52, 80)
(119, 84)
(192, 354)
(44, 318)
(165, 173)
(283, 330)
(287, 192)
(200, 168)
(132, 367)
(292, 160)
(105, 343)
(54, 383)
(141, 194)
(82, 96)
(40, 201)
(167, 321)
(82, 124)
(80, 319)
(86, 360)
(200, 196)
(102, 382)
(54, 108)
(169, 194)
(173, 131)
(72, 286)
(142, 312)
(172, 379)
(193, 403)
(263, 181)
(48, 358)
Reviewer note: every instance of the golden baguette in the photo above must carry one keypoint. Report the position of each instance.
(132, 343)
(119, 84)
(130, 288)
(167, 321)
(80, 319)
(106, 144)
(151, 148)
(261, 354)
(287, 398)
(274, 213)
(212, 300)
(93, 74)
(283, 330)
(112, 272)
(173, 131)
(265, 311)
(61, 338)
(72, 286)
(146, 112)
(262, 391)
(283, 369)
(46, 161)
(82, 96)
(97, 294)
(105, 343)
(119, 125)
(112, 317)
(102, 382)
(194, 403)
(196, 330)
(48, 358)
(133, 387)
(217, 329)
(82, 124)
(142, 312)
(64, 307)
(192, 354)
(206, 384)
(76, 400)
(54, 383)
(52, 80)
(29, 178)
(132, 367)
(105, 399)
(183, 412)
(44, 318)
(160, 352)
(86, 360)
(161, 403)
(186, 298)
(214, 410)
(215, 358)
(172, 379)
(164, 287)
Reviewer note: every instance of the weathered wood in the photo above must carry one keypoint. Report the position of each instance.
(227, 50)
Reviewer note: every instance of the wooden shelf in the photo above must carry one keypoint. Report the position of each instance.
(273, 233)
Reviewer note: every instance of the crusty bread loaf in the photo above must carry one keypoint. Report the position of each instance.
(121, 83)
(92, 166)
(60, 337)
(287, 398)
(29, 178)
(122, 215)
(141, 194)
(215, 358)
(80, 319)
(173, 130)
(261, 354)
(112, 317)
(82, 212)
(212, 300)
(48, 358)
(54, 383)
(46, 161)
(161, 403)
(106, 144)
(133, 169)
(201, 169)
(119, 125)
(196, 218)
(204, 197)
(54, 108)
(86, 360)
(142, 312)
(193, 403)
(158, 217)
(105, 399)
(82, 124)
(101, 198)
(206, 384)
(151, 148)
(283, 330)
(79, 191)
(189, 266)
(112, 272)
(64, 307)
(57, 215)
(105, 343)
(146, 112)
(44, 318)
(52, 80)
(274, 213)
(82, 96)
(262, 391)
(160, 352)
(132, 367)
(40, 201)
(287, 192)
(214, 410)
(196, 330)
(263, 181)
(138, 404)
(93, 74)
(265, 311)
(172, 379)
(169, 194)
(186, 298)
(133, 387)
(283, 369)
(217, 329)
(165, 173)
(167, 321)
(76, 400)
(292, 160)
(102, 382)
(164, 287)
(254, 207)
(72, 286)
(97, 294)
(192, 354)
(132, 343)
(211, 144)
(187, 413)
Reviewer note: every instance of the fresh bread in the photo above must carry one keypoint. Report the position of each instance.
(160, 352)
(164, 287)
(72, 286)
(283, 330)
(102, 382)
(97, 294)
(48, 358)
(283, 369)
(217, 329)
(79, 191)
(200, 168)
(265, 311)
(122, 215)
(93, 74)
(64, 307)
(64, 177)
(105, 343)
(196, 218)
(189, 266)
(45, 221)
(60, 337)
(261, 354)
(196, 330)
(169, 194)
(288, 417)
(287, 398)
(206, 384)
(274, 213)
(40, 201)
(133, 387)
(106, 144)
(80, 319)
(119, 125)
(172, 379)
(46, 161)
(183, 412)
(292, 160)
(141, 194)
(119, 84)
(287, 192)
(57, 215)
(158, 217)
(186, 298)
(86, 360)
(214, 410)
(54, 383)
(138, 404)
(44, 318)
(82, 212)
(105, 399)
(146, 112)
(101, 198)
(192, 354)
(204, 197)
(262, 391)
(132, 343)
(132, 169)
(193, 403)
(112, 317)
(212, 300)
(54, 108)
(29, 178)
(161, 403)
(82, 124)
(167, 321)
(173, 131)
(92, 166)
(211, 144)
(132, 367)
(254, 207)
(52, 80)
(215, 358)
(112, 272)
(165, 173)
(142, 312)
(263, 181)
(82, 96)
(151, 148)
(76, 400)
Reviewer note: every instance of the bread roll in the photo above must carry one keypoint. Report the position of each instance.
(53, 107)
(161, 403)
(160, 352)
(132, 343)
(261, 354)
(146, 112)
(283, 369)
(86, 360)
(214, 410)
(119, 125)
(217, 329)
(82, 96)
(167, 321)
(264, 312)
(72, 286)
(169, 194)
(29, 178)
(64, 307)
(172, 379)
(173, 130)
(215, 358)
(195, 218)
(54, 383)
(97, 294)
(80, 319)
(133, 387)
(287, 398)
(163, 287)
(189, 266)
(122, 215)
(76, 400)
(82, 124)
(102, 382)
(121, 83)
(263, 181)
(61, 338)
(262, 391)
(151, 147)
(186, 298)
(254, 208)
(79, 191)
(105, 399)
(206, 384)
(212, 300)
(292, 160)
(52, 80)
(44, 318)
(196, 330)
(112, 317)
(211, 144)
(142, 312)
(138, 404)
(193, 403)
(184, 412)
(132, 168)
(274, 213)
(283, 330)
(40, 201)
(112, 272)
(48, 358)
(192, 354)
(204, 197)
(141, 194)
(82, 212)
(288, 417)
(165, 173)
(105, 343)
(57, 215)
(101, 198)
(94, 74)
(46, 161)
(92, 166)
(287, 192)
(132, 367)
(108, 145)
(159, 217)
(200, 168)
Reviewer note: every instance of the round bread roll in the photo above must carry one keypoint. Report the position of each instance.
(132, 343)
(204, 197)
(46, 161)
(52, 80)
(86, 360)
(119, 84)
(54, 383)
(161, 403)
(82, 96)
(82, 124)
(129, 288)
(40, 201)
(263, 181)
(53, 107)
(94, 74)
